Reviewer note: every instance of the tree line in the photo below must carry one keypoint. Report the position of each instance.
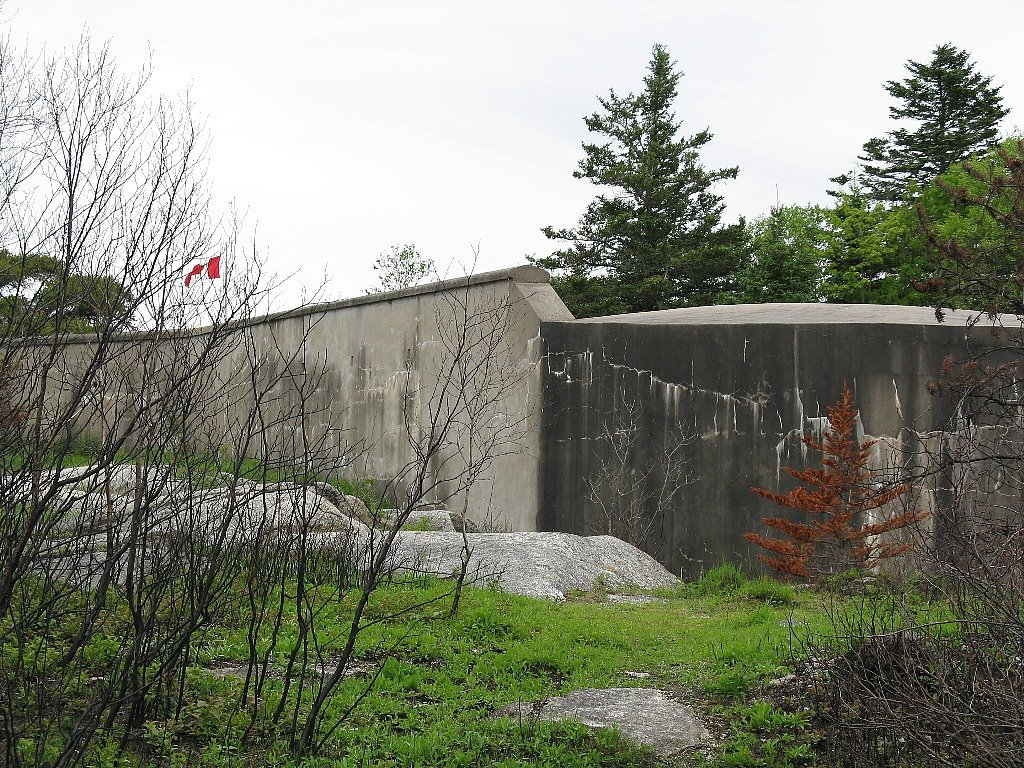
(655, 238)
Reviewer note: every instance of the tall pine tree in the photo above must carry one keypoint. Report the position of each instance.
(957, 112)
(656, 240)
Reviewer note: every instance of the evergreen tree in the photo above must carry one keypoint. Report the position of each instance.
(957, 112)
(656, 240)
(972, 219)
(39, 295)
(839, 495)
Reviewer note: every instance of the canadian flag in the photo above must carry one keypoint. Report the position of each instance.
(212, 268)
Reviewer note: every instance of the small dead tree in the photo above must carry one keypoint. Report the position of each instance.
(842, 493)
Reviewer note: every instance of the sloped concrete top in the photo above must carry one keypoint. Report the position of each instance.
(795, 314)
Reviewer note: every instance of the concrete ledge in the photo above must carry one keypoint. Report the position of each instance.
(544, 302)
(522, 274)
(797, 314)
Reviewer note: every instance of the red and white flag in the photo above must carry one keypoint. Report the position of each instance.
(212, 268)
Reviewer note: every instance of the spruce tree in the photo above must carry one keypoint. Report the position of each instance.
(656, 240)
(840, 494)
(957, 111)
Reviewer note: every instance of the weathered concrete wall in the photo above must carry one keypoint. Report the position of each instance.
(652, 427)
(745, 383)
(388, 377)
(357, 385)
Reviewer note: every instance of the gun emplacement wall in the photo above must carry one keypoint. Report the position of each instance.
(652, 426)
(360, 387)
(722, 396)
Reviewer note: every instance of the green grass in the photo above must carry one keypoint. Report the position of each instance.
(422, 525)
(713, 642)
(760, 735)
(432, 702)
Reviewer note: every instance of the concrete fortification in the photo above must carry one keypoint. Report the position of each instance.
(651, 427)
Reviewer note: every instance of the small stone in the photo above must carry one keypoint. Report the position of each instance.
(644, 715)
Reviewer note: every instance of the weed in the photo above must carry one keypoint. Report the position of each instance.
(423, 525)
(762, 735)
(431, 702)
(763, 614)
(724, 579)
(731, 683)
(769, 591)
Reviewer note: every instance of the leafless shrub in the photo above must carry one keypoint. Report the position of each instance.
(197, 504)
(637, 477)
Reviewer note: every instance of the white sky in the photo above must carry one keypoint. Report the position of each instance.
(346, 127)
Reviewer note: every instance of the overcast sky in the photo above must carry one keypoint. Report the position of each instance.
(346, 127)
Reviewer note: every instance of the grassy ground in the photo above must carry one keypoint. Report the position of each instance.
(711, 644)
(437, 679)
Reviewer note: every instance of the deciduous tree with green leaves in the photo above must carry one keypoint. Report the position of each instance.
(655, 240)
(401, 266)
(787, 249)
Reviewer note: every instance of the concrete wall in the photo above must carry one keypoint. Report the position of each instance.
(353, 387)
(746, 383)
(385, 378)
(713, 399)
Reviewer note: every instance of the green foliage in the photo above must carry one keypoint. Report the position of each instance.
(762, 736)
(787, 250)
(972, 227)
(722, 580)
(431, 702)
(401, 266)
(874, 254)
(589, 295)
(956, 244)
(769, 591)
(731, 682)
(423, 524)
(956, 111)
(39, 295)
(367, 490)
(878, 251)
(726, 582)
(656, 240)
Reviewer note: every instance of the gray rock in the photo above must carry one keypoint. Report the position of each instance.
(532, 563)
(644, 715)
(352, 506)
(121, 478)
(435, 519)
(289, 507)
(526, 563)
